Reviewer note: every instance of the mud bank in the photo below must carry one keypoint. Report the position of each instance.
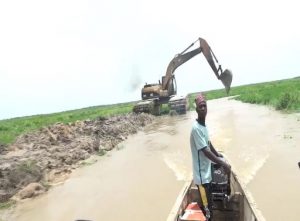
(40, 158)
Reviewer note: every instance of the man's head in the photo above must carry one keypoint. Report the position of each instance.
(201, 106)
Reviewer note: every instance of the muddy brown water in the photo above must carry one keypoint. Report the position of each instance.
(141, 179)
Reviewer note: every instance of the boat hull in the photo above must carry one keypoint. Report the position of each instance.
(235, 207)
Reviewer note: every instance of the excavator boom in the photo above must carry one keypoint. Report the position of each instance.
(225, 77)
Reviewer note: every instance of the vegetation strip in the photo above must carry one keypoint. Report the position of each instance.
(282, 95)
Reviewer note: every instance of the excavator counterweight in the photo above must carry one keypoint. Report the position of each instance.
(154, 95)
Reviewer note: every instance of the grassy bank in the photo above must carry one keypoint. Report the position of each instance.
(11, 128)
(282, 95)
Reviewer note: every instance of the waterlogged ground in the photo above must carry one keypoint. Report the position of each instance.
(141, 179)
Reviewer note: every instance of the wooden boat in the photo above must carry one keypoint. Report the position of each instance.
(231, 202)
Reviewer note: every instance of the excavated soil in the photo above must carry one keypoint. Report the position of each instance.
(35, 160)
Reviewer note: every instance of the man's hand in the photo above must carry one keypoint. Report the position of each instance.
(227, 167)
(218, 160)
(225, 164)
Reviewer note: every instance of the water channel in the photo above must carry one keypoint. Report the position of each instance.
(141, 178)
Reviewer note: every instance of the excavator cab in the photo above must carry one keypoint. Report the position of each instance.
(153, 91)
(172, 86)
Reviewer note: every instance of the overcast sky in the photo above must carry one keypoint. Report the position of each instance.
(61, 55)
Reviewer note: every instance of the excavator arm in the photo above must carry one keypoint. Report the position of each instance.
(225, 77)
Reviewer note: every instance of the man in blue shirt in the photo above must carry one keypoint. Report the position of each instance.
(203, 154)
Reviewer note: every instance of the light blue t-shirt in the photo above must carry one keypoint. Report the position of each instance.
(198, 140)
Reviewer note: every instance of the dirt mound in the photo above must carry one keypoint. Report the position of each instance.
(56, 150)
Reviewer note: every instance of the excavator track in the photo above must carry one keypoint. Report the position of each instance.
(178, 105)
(148, 106)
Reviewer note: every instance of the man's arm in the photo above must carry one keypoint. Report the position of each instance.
(214, 150)
(210, 155)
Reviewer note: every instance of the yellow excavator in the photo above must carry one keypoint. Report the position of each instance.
(154, 95)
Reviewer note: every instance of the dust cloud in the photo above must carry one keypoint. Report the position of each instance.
(135, 80)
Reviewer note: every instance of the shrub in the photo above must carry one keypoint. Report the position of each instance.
(287, 100)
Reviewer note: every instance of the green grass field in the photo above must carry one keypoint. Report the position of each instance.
(11, 128)
(282, 95)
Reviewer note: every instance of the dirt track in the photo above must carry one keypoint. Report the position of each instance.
(38, 159)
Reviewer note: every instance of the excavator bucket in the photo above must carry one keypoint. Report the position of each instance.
(226, 78)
